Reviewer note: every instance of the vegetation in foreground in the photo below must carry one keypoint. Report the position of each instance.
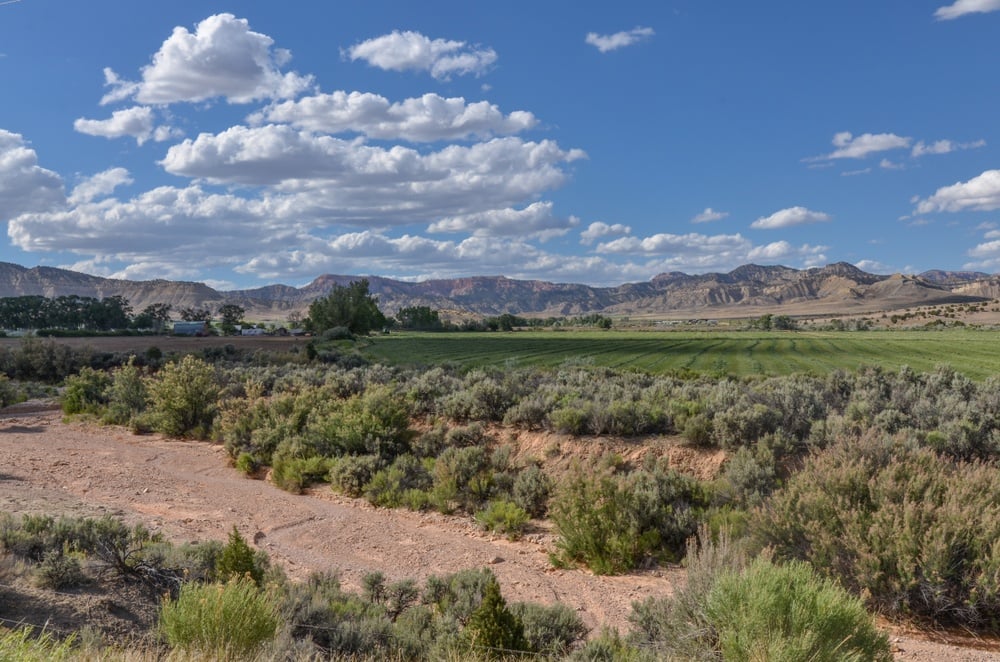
(815, 464)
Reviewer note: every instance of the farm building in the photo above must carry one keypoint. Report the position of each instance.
(200, 328)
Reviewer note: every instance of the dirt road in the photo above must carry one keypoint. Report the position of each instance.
(188, 491)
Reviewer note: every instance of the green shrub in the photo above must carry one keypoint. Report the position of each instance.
(184, 398)
(492, 627)
(246, 464)
(457, 595)
(350, 474)
(614, 523)
(569, 420)
(609, 646)
(698, 430)
(786, 612)
(911, 530)
(127, 395)
(338, 623)
(462, 478)
(549, 630)
(46, 361)
(238, 561)
(391, 486)
(9, 393)
(747, 477)
(59, 570)
(531, 490)
(228, 621)
(85, 392)
(504, 517)
(677, 627)
(293, 474)
(376, 422)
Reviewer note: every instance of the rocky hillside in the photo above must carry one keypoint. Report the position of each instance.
(747, 290)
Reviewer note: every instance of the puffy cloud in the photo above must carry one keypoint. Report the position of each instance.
(963, 7)
(136, 122)
(688, 244)
(610, 42)
(421, 119)
(849, 146)
(944, 147)
(789, 217)
(886, 164)
(599, 229)
(348, 181)
(24, 185)
(412, 51)
(534, 221)
(986, 254)
(99, 185)
(699, 252)
(874, 267)
(783, 250)
(221, 58)
(710, 215)
(182, 226)
(428, 258)
(981, 193)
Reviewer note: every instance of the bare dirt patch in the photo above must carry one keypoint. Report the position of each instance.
(188, 491)
(168, 344)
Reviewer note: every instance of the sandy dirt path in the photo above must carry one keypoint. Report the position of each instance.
(188, 491)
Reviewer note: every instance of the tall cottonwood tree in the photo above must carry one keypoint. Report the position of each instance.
(349, 306)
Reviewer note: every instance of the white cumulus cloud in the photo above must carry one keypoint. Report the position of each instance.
(24, 185)
(788, 217)
(358, 183)
(981, 193)
(610, 42)
(783, 250)
(534, 221)
(944, 147)
(412, 51)
(222, 58)
(963, 7)
(600, 229)
(849, 146)
(666, 243)
(136, 122)
(421, 119)
(99, 185)
(710, 215)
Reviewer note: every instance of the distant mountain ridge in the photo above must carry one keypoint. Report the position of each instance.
(749, 289)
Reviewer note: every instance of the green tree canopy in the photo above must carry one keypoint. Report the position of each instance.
(231, 315)
(350, 306)
(419, 318)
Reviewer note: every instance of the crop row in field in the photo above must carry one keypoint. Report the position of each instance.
(970, 352)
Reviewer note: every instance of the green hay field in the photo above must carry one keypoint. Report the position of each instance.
(972, 352)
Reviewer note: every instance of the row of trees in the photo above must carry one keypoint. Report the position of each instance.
(107, 314)
(66, 312)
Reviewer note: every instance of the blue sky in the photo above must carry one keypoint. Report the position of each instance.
(249, 143)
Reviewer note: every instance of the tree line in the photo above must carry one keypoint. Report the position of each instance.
(114, 313)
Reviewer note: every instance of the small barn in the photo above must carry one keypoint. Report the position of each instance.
(200, 329)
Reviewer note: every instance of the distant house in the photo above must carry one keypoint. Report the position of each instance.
(200, 329)
(253, 332)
